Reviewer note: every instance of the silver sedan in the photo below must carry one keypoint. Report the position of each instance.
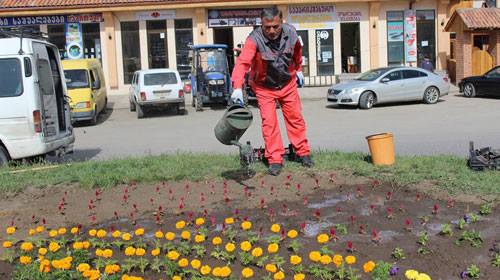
(390, 84)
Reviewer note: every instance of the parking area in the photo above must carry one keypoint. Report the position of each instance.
(420, 129)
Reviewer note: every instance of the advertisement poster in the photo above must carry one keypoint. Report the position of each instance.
(395, 31)
(349, 16)
(312, 17)
(54, 19)
(410, 26)
(234, 17)
(74, 43)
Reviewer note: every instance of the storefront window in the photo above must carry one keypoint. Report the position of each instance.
(131, 51)
(57, 36)
(91, 40)
(324, 52)
(395, 38)
(183, 39)
(157, 43)
(426, 36)
(305, 51)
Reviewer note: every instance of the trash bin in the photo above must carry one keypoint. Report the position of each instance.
(381, 148)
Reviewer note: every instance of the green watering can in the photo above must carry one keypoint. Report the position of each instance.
(233, 125)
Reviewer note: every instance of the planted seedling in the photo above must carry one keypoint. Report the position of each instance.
(446, 230)
(473, 237)
(485, 209)
(461, 224)
(341, 229)
(398, 254)
(423, 238)
(496, 260)
(382, 271)
(473, 271)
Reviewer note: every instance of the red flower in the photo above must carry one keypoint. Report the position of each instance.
(350, 247)
(435, 209)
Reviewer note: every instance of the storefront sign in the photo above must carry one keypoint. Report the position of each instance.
(312, 17)
(152, 15)
(395, 31)
(349, 16)
(410, 27)
(234, 17)
(74, 43)
(55, 19)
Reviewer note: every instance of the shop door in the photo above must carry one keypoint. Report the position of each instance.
(157, 43)
(426, 36)
(482, 61)
(350, 47)
(225, 36)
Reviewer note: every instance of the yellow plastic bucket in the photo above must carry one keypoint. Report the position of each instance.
(381, 148)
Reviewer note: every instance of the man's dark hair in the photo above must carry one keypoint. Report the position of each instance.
(271, 13)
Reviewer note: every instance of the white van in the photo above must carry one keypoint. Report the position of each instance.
(34, 113)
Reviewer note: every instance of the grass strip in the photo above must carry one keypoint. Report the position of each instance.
(449, 173)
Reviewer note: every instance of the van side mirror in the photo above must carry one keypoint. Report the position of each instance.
(385, 80)
(96, 85)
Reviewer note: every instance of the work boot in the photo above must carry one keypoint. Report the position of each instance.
(275, 168)
(306, 161)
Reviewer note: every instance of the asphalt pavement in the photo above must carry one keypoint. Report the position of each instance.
(419, 129)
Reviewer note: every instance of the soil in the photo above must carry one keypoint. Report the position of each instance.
(323, 201)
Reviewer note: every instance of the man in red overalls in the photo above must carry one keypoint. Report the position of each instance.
(274, 55)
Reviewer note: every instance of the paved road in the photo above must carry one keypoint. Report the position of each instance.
(419, 129)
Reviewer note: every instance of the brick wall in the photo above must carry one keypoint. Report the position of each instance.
(463, 55)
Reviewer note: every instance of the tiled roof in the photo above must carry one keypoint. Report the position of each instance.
(58, 4)
(477, 18)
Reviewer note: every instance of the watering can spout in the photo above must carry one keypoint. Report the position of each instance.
(233, 124)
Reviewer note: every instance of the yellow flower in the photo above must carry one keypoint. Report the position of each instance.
(26, 246)
(129, 251)
(186, 235)
(271, 268)
(279, 275)
(183, 262)
(74, 230)
(323, 238)
(315, 256)
(170, 236)
(199, 221)
(275, 228)
(39, 229)
(205, 270)
(180, 225)
(423, 276)
(295, 260)
(176, 277)
(350, 260)
(247, 272)
(155, 252)
(61, 231)
(325, 259)
(273, 248)
(44, 266)
(292, 234)
(337, 260)
(126, 236)
(7, 244)
(10, 230)
(230, 247)
(299, 276)
(217, 271)
(31, 232)
(139, 232)
(159, 234)
(195, 264)
(257, 252)
(86, 244)
(116, 234)
(42, 251)
(99, 252)
(246, 225)
(111, 269)
(101, 233)
(229, 221)
(225, 271)
(25, 259)
(93, 232)
(216, 241)
(83, 267)
(245, 246)
(368, 266)
(173, 255)
(78, 245)
(199, 238)
(411, 274)
(108, 253)
(53, 233)
(140, 252)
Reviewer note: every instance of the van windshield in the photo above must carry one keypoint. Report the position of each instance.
(160, 79)
(11, 80)
(77, 79)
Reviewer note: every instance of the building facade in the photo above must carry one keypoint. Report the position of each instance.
(339, 37)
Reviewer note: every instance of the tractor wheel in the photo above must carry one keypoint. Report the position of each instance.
(199, 103)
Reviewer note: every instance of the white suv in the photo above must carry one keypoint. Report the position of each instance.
(156, 88)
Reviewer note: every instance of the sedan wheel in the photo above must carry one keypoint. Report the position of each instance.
(367, 100)
(431, 95)
(469, 90)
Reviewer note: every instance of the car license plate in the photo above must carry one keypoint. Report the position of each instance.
(161, 93)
